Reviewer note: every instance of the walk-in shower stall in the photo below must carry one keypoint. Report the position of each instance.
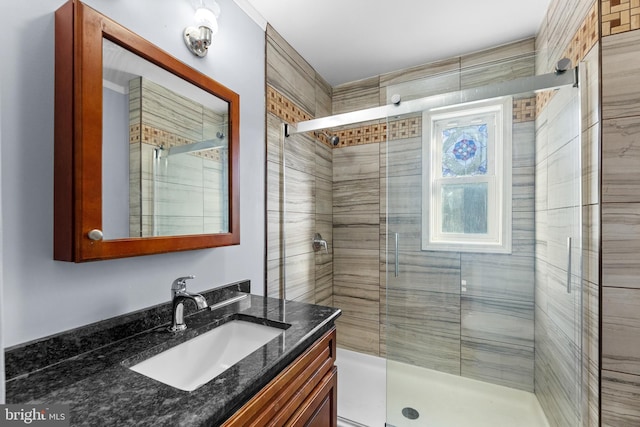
(455, 244)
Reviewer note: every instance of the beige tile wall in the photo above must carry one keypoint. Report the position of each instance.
(620, 213)
(295, 92)
(570, 30)
(447, 335)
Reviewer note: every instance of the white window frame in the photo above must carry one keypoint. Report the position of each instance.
(498, 177)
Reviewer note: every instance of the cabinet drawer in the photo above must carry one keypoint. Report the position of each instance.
(275, 404)
(321, 408)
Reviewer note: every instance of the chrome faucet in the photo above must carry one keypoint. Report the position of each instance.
(179, 295)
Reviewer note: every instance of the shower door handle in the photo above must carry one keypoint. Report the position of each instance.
(568, 265)
(397, 263)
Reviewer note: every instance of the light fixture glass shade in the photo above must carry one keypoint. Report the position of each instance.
(198, 36)
(206, 18)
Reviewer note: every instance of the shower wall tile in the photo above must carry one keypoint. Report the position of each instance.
(300, 228)
(542, 47)
(562, 306)
(499, 71)
(295, 92)
(300, 152)
(620, 245)
(274, 133)
(409, 229)
(363, 309)
(591, 372)
(324, 197)
(591, 102)
(423, 328)
(542, 187)
(324, 162)
(498, 363)
(521, 48)
(356, 95)
(356, 232)
(621, 160)
(542, 136)
(524, 144)
(360, 197)
(541, 281)
(591, 243)
(523, 234)
(620, 403)
(561, 224)
(356, 163)
(485, 276)
(300, 269)
(405, 157)
(357, 334)
(323, 97)
(557, 366)
(324, 283)
(523, 237)
(426, 271)
(356, 268)
(420, 88)
(274, 243)
(621, 330)
(523, 189)
(405, 194)
(289, 73)
(563, 122)
(564, 176)
(509, 322)
(301, 192)
(324, 226)
(541, 237)
(274, 187)
(591, 165)
(620, 68)
(420, 72)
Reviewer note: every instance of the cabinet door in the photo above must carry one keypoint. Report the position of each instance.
(321, 407)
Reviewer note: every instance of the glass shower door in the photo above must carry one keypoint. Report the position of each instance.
(468, 326)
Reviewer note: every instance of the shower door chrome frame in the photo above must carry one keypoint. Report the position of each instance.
(511, 87)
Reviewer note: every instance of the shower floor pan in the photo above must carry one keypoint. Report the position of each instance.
(447, 400)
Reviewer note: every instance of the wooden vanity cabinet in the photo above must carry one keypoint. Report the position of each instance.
(303, 394)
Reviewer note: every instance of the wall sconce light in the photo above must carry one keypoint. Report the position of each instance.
(198, 37)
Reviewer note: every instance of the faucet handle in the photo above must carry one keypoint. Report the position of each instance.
(180, 284)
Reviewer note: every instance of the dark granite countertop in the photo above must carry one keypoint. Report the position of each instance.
(101, 390)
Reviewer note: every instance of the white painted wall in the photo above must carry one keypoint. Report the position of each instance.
(42, 296)
(2, 390)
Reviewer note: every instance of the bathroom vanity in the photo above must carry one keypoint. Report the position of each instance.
(291, 380)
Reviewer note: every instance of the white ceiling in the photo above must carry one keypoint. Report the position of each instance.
(347, 40)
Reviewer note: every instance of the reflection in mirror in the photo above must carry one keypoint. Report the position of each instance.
(165, 152)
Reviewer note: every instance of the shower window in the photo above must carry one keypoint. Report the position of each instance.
(467, 177)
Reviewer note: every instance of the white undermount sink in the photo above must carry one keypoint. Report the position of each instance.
(193, 363)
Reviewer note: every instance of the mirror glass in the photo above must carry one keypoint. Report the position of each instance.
(165, 148)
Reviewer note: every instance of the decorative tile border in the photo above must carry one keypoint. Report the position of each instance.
(360, 135)
(287, 110)
(160, 138)
(524, 110)
(619, 16)
(407, 128)
(584, 39)
(284, 108)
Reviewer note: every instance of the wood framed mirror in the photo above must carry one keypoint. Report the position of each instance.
(146, 148)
